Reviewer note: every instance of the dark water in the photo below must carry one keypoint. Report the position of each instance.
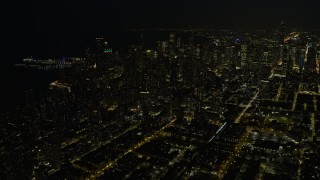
(16, 80)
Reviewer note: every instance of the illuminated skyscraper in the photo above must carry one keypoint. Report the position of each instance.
(285, 59)
(229, 54)
(244, 50)
(102, 53)
(172, 38)
(290, 59)
(237, 52)
(311, 64)
(179, 42)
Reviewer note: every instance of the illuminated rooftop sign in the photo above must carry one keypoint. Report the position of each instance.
(108, 51)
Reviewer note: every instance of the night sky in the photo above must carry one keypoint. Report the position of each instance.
(42, 24)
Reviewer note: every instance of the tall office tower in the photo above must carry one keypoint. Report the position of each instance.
(282, 32)
(298, 56)
(244, 51)
(172, 38)
(189, 70)
(198, 52)
(191, 36)
(179, 42)
(318, 60)
(141, 39)
(293, 56)
(204, 55)
(229, 55)
(251, 55)
(130, 76)
(265, 56)
(237, 53)
(100, 45)
(280, 54)
(90, 60)
(217, 58)
(285, 59)
(301, 60)
(290, 59)
(102, 54)
(311, 64)
(29, 97)
(164, 48)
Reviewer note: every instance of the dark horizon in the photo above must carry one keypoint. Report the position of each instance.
(57, 15)
(52, 25)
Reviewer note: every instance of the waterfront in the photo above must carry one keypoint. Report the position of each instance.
(16, 80)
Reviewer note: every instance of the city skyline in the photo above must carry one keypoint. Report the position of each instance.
(59, 25)
(160, 90)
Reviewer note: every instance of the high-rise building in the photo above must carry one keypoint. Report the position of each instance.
(265, 56)
(229, 54)
(141, 39)
(318, 61)
(285, 59)
(217, 58)
(244, 50)
(102, 54)
(282, 32)
(294, 57)
(251, 55)
(172, 38)
(311, 64)
(101, 45)
(164, 47)
(237, 53)
(179, 42)
(29, 97)
(301, 60)
(291, 59)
